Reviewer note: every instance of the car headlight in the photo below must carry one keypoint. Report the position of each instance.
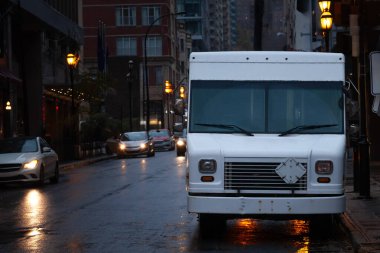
(143, 145)
(180, 143)
(324, 167)
(122, 146)
(31, 165)
(207, 166)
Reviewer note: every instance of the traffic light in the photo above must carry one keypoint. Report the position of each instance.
(168, 87)
(182, 91)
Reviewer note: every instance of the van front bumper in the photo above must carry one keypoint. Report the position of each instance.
(267, 205)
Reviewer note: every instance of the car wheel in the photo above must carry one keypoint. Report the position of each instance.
(108, 151)
(55, 178)
(180, 152)
(41, 180)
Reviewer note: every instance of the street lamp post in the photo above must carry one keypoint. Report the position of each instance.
(168, 91)
(326, 21)
(363, 142)
(130, 79)
(72, 61)
(146, 85)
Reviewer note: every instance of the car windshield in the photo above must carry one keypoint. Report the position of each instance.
(159, 133)
(266, 106)
(18, 145)
(134, 136)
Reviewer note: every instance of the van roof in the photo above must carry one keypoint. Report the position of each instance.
(267, 56)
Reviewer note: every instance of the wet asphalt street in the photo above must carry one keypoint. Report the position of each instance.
(138, 205)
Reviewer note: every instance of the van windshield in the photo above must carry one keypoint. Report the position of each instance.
(266, 106)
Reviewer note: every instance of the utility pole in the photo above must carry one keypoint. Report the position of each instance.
(363, 143)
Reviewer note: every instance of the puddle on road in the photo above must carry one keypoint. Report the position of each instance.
(10, 236)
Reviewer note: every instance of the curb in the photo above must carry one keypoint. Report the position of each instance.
(82, 163)
(359, 238)
(355, 233)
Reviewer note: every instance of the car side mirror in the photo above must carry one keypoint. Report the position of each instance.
(46, 150)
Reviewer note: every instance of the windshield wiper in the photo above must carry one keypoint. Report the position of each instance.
(298, 129)
(227, 127)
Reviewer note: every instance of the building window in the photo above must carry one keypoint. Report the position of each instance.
(154, 46)
(159, 78)
(150, 14)
(126, 46)
(193, 8)
(182, 43)
(125, 16)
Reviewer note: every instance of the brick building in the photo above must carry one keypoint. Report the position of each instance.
(123, 26)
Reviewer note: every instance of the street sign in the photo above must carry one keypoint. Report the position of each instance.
(375, 72)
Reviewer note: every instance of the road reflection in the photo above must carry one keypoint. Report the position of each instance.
(253, 234)
(33, 208)
(181, 166)
(32, 214)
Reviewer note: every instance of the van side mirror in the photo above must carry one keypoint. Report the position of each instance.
(354, 131)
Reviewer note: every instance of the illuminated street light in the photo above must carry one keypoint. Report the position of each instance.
(8, 106)
(324, 5)
(168, 90)
(168, 87)
(326, 25)
(326, 21)
(182, 91)
(72, 61)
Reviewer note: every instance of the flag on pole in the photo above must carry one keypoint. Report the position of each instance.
(101, 47)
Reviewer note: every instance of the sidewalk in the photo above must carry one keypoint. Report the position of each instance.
(80, 163)
(362, 216)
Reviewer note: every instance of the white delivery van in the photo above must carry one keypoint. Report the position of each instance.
(266, 134)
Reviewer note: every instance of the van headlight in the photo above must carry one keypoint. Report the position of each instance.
(143, 145)
(207, 166)
(122, 146)
(31, 165)
(324, 167)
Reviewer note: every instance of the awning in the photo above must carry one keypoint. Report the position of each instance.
(5, 73)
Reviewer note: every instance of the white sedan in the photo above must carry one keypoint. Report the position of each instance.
(27, 159)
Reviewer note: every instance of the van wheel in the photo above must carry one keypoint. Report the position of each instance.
(180, 153)
(211, 223)
(323, 222)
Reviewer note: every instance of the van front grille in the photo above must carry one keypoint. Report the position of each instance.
(258, 176)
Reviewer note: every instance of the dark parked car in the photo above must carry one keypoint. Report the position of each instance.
(131, 144)
(162, 139)
(27, 159)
